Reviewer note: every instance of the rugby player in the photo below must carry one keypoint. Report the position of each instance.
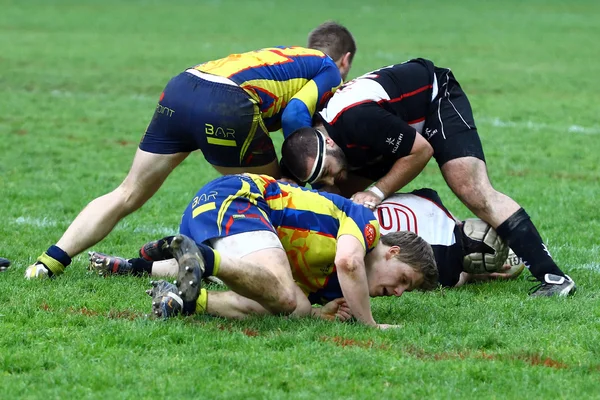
(226, 109)
(383, 127)
(279, 248)
(421, 212)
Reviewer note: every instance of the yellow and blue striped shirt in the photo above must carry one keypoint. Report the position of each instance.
(288, 83)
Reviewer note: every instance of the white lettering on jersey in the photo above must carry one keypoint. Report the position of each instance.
(355, 92)
(408, 212)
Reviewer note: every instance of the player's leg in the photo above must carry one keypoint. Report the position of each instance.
(229, 304)
(458, 151)
(166, 143)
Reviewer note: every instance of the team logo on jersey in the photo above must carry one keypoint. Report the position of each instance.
(370, 235)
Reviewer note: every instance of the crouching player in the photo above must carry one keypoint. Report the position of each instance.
(279, 248)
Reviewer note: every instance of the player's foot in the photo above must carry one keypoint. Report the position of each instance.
(165, 301)
(4, 264)
(191, 268)
(37, 271)
(157, 250)
(554, 285)
(104, 264)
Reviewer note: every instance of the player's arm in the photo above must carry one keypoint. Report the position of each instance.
(300, 109)
(392, 138)
(352, 274)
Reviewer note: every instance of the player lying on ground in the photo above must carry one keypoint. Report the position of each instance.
(226, 109)
(280, 248)
(421, 212)
(383, 127)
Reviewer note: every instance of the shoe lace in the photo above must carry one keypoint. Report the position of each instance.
(538, 285)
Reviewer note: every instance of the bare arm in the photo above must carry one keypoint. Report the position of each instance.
(350, 264)
(404, 170)
(407, 168)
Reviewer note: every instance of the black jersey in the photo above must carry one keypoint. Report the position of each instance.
(373, 118)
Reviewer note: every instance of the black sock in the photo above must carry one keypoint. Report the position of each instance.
(139, 266)
(522, 236)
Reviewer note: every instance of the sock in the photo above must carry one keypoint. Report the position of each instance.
(212, 260)
(202, 302)
(523, 238)
(139, 266)
(55, 259)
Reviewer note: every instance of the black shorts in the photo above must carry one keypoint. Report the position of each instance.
(221, 120)
(450, 126)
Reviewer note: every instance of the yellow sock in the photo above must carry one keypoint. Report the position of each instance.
(202, 302)
(217, 264)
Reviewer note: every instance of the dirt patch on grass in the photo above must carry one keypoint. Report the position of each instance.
(345, 342)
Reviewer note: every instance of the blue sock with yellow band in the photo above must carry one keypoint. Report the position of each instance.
(55, 259)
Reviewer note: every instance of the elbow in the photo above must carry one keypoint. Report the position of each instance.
(348, 265)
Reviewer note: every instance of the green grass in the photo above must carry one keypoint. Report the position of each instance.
(78, 84)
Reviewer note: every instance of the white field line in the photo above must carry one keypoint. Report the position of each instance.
(483, 120)
(46, 222)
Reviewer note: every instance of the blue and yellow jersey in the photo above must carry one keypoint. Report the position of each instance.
(288, 83)
(308, 224)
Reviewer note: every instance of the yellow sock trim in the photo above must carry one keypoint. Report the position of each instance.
(217, 262)
(55, 266)
(202, 302)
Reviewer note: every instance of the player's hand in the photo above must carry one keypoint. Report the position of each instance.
(388, 326)
(336, 310)
(367, 199)
(37, 271)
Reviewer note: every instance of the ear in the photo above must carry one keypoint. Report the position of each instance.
(329, 141)
(345, 60)
(392, 252)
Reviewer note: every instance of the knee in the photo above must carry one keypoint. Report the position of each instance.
(286, 303)
(129, 197)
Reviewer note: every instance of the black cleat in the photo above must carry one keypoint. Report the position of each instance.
(157, 250)
(554, 285)
(4, 264)
(191, 269)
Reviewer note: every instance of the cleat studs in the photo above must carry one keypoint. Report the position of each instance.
(188, 269)
(180, 293)
(175, 282)
(192, 283)
(154, 303)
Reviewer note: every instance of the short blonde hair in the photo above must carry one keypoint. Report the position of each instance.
(417, 253)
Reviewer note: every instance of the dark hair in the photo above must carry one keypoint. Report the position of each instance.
(417, 253)
(333, 39)
(297, 149)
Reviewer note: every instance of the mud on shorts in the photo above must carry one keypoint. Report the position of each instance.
(450, 127)
(210, 113)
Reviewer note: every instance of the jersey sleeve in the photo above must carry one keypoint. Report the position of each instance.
(361, 223)
(300, 109)
(380, 130)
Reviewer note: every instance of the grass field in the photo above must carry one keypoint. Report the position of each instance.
(78, 84)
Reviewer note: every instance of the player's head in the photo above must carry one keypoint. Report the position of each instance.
(313, 157)
(401, 262)
(337, 42)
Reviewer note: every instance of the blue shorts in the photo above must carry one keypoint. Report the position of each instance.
(221, 120)
(226, 206)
